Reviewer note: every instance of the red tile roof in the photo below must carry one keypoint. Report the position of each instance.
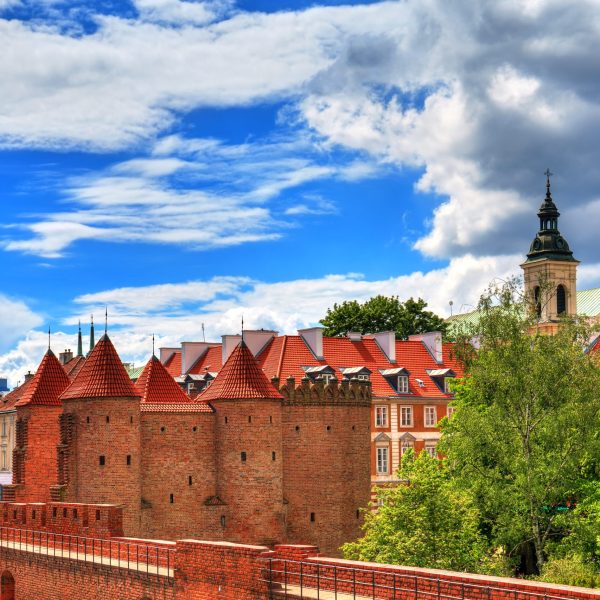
(155, 385)
(9, 401)
(240, 378)
(46, 386)
(102, 375)
(286, 355)
(74, 366)
(211, 361)
(173, 364)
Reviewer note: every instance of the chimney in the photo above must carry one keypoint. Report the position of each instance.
(386, 340)
(313, 338)
(65, 357)
(257, 339)
(166, 353)
(432, 340)
(28, 376)
(190, 353)
(229, 342)
(354, 336)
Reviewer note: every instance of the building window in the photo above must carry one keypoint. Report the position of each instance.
(102, 460)
(381, 416)
(447, 384)
(327, 377)
(405, 446)
(430, 416)
(4, 465)
(3, 427)
(312, 517)
(406, 416)
(402, 384)
(561, 300)
(382, 461)
(189, 480)
(537, 299)
(243, 456)
(171, 499)
(97, 515)
(431, 450)
(129, 460)
(451, 410)
(273, 456)
(363, 377)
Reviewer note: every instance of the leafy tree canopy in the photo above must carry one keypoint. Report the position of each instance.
(382, 313)
(524, 440)
(429, 522)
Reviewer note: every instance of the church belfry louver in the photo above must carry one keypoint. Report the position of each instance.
(550, 271)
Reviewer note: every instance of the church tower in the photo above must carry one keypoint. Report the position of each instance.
(550, 271)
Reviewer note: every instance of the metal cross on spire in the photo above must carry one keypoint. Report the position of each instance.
(548, 174)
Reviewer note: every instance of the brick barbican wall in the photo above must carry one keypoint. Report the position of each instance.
(327, 478)
(37, 458)
(249, 463)
(107, 427)
(226, 571)
(178, 459)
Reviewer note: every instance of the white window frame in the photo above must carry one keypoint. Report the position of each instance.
(429, 412)
(381, 410)
(327, 377)
(410, 411)
(450, 410)
(446, 381)
(431, 449)
(383, 460)
(363, 377)
(405, 446)
(402, 384)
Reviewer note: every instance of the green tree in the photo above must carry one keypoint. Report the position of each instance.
(524, 437)
(429, 522)
(382, 313)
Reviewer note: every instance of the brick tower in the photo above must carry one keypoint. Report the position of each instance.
(550, 270)
(38, 413)
(99, 450)
(248, 443)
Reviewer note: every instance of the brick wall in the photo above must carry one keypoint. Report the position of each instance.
(250, 470)
(179, 476)
(108, 430)
(36, 453)
(327, 478)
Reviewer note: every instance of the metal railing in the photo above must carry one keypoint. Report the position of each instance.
(302, 580)
(148, 559)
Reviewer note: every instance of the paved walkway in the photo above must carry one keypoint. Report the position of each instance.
(96, 559)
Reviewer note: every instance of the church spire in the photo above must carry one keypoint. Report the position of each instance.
(79, 342)
(548, 242)
(92, 340)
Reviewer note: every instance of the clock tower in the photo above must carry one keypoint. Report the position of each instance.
(550, 270)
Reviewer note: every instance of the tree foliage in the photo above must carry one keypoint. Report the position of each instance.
(429, 522)
(382, 313)
(525, 436)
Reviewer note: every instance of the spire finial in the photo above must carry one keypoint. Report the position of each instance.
(49, 337)
(79, 341)
(153, 353)
(548, 174)
(92, 336)
(242, 328)
(105, 320)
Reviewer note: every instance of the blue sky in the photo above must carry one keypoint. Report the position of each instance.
(189, 162)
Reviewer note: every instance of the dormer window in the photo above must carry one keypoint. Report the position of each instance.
(440, 377)
(402, 385)
(398, 379)
(325, 372)
(361, 373)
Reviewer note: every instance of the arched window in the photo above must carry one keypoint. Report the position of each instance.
(7, 586)
(537, 300)
(561, 300)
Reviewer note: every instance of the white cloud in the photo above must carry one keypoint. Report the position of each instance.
(193, 192)
(183, 12)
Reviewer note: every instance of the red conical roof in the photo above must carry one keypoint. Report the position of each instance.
(48, 383)
(102, 375)
(240, 378)
(156, 386)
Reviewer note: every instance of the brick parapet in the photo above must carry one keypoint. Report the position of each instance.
(307, 392)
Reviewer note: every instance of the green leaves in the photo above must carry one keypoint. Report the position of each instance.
(382, 313)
